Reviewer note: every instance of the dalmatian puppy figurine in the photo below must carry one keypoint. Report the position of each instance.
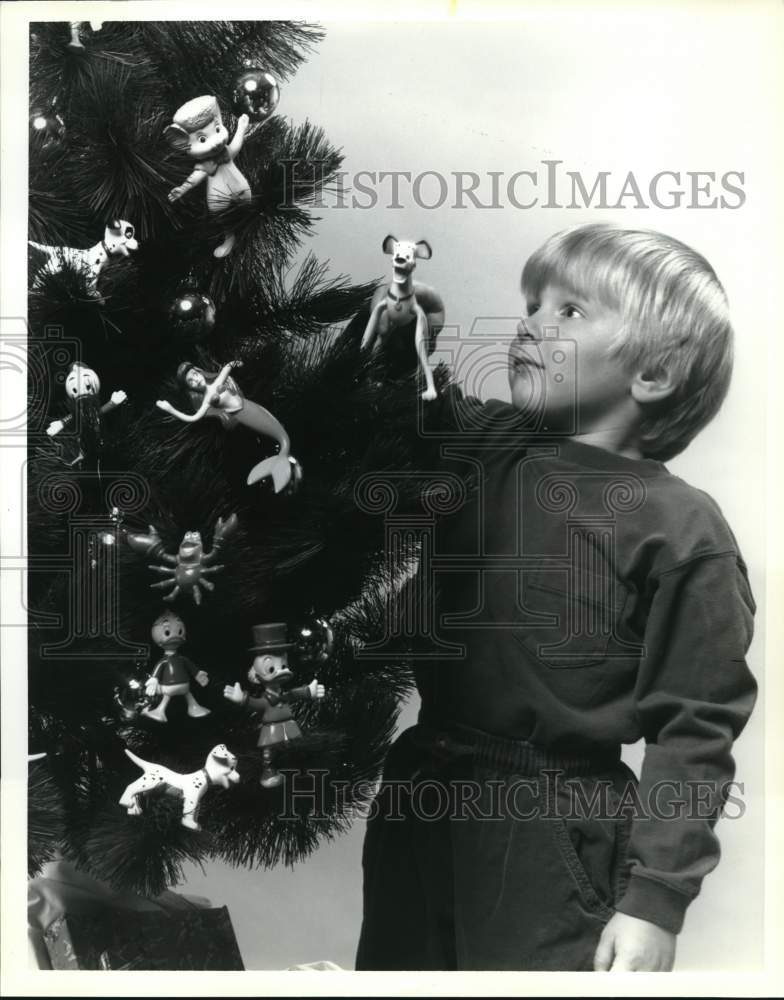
(220, 769)
(119, 239)
(397, 305)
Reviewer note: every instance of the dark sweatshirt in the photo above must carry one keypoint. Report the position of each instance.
(598, 600)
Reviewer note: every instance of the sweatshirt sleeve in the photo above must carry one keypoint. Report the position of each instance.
(694, 695)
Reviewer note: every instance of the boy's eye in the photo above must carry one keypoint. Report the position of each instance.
(570, 311)
(531, 308)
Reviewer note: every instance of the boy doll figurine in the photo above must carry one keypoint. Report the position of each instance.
(270, 668)
(82, 389)
(601, 601)
(198, 129)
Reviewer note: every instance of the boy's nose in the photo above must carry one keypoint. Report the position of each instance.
(523, 330)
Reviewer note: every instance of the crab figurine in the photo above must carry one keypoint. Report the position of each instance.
(187, 571)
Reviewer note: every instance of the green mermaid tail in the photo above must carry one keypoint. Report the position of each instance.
(283, 470)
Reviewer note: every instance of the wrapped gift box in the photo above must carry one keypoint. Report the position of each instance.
(78, 922)
(201, 940)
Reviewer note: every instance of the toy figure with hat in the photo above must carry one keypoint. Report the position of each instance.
(270, 668)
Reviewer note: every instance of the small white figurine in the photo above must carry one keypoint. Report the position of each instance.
(198, 130)
(220, 768)
(119, 239)
(76, 38)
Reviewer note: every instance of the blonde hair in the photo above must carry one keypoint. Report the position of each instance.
(675, 318)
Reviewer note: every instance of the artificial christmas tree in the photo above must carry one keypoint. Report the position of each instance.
(161, 489)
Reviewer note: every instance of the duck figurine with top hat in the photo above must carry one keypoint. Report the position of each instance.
(270, 669)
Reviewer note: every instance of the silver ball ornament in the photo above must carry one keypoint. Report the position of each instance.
(314, 640)
(47, 129)
(255, 93)
(192, 314)
(131, 698)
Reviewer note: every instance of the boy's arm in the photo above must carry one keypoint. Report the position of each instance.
(694, 695)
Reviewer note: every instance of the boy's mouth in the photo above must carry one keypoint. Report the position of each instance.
(520, 358)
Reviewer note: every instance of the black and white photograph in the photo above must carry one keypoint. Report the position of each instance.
(390, 469)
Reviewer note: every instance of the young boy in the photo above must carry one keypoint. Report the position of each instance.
(585, 598)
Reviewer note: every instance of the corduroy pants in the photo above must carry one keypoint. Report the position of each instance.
(484, 853)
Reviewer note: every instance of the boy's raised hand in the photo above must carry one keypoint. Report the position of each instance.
(629, 944)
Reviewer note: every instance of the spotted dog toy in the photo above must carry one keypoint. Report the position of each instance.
(219, 769)
(118, 241)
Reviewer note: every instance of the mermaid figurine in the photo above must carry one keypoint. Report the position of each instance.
(218, 395)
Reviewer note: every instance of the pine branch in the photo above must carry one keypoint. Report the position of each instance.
(121, 164)
(347, 413)
(201, 57)
(45, 818)
(303, 304)
(58, 71)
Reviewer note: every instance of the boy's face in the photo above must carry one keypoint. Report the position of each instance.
(561, 368)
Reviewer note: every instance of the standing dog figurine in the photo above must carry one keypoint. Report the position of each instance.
(198, 129)
(220, 768)
(118, 240)
(403, 301)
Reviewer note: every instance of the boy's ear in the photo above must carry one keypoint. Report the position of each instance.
(652, 385)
